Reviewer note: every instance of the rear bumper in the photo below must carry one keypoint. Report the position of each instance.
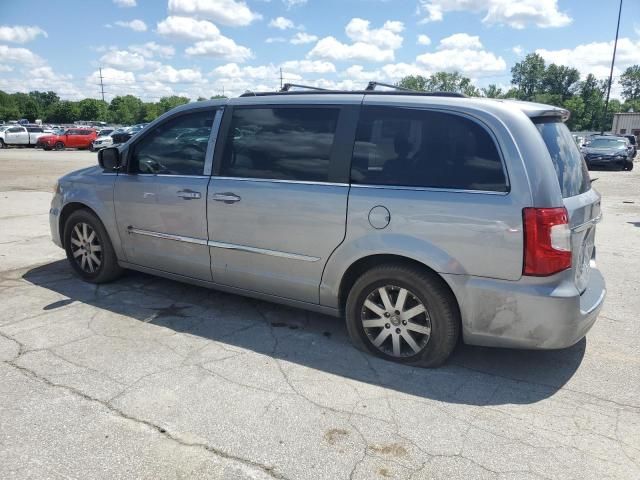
(535, 313)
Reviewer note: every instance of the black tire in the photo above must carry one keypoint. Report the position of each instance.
(2, 144)
(59, 146)
(442, 313)
(108, 268)
(628, 166)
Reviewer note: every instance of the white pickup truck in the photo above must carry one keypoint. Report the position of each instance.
(19, 135)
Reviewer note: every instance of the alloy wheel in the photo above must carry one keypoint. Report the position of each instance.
(396, 321)
(86, 248)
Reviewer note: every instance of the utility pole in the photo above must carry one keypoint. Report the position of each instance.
(613, 60)
(101, 85)
(280, 78)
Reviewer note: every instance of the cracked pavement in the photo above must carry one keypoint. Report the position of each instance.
(150, 378)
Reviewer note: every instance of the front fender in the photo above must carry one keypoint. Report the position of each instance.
(94, 189)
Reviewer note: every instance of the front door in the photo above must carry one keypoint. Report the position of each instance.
(161, 199)
(16, 136)
(278, 203)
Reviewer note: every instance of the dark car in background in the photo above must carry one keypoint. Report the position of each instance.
(608, 151)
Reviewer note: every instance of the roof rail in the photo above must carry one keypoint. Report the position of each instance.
(287, 86)
(324, 91)
(372, 86)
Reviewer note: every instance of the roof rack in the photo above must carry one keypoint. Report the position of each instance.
(287, 86)
(371, 86)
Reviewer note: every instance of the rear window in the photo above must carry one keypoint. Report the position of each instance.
(570, 167)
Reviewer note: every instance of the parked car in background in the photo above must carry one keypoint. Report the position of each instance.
(419, 218)
(103, 132)
(634, 143)
(608, 151)
(80, 138)
(18, 135)
(103, 141)
(124, 134)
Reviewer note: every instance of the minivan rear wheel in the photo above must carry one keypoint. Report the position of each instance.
(89, 249)
(403, 314)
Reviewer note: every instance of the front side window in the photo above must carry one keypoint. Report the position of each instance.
(287, 143)
(422, 148)
(175, 147)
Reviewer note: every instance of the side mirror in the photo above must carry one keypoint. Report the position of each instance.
(109, 159)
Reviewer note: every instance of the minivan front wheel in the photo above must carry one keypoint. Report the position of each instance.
(403, 314)
(89, 249)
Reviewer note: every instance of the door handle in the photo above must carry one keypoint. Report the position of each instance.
(189, 194)
(226, 197)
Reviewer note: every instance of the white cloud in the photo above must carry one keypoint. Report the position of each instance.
(135, 25)
(188, 28)
(166, 73)
(226, 12)
(466, 61)
(112, 76)
(5, 68)
(301, 38)
(595, 57)
(386, 37)
(151, 49)
(424, 40)
(396, 71)
(462, 53)
(233, 70)
(331, 49)
(518, 50)
(514, 13)
(221, 47)
(275, 40)
(126, 60)
(125, 3)
(293, 3)
(460, 41)
(20, 33)
(359, 74)
(281, 23)
(309, 66)
(19, 55)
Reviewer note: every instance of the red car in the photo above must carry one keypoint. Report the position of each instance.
(72, 138)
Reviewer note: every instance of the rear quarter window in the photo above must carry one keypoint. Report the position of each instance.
(571, 169)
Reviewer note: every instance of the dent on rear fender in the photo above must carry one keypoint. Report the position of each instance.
(353, 250)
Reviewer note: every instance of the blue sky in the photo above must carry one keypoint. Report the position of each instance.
(152, 48)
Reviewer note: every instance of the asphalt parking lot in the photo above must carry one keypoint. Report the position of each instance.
(149, 378)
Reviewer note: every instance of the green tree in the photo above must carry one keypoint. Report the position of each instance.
(8, 108)
(440, 82)
(167, 103)
(560, 80)
(125, 109)
(149, 112)
(92, 109)
(64, 112)
(492, 91)
(575, 105)
(630, 82)
(592, 94)
(45, 99)
(527, 76)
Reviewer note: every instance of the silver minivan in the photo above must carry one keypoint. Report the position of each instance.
(420, 218)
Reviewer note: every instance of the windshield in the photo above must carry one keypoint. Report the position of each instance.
(607, 143)
(571, 169)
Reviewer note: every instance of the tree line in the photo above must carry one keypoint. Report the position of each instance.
(531, 79)
(47, 106)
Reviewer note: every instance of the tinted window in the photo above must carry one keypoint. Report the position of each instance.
(34, 129)
(280, 143)
(571, 169)
(15, 130)
(418, 148)
(176, 147)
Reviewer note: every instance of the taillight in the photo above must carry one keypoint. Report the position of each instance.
(547, 241)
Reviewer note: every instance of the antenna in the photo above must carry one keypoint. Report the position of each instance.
(101, 84)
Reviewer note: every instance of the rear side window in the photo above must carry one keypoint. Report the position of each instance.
(287, 143)
(421, 148)
(570, 167)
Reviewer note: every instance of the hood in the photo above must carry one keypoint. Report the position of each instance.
(83, 173)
